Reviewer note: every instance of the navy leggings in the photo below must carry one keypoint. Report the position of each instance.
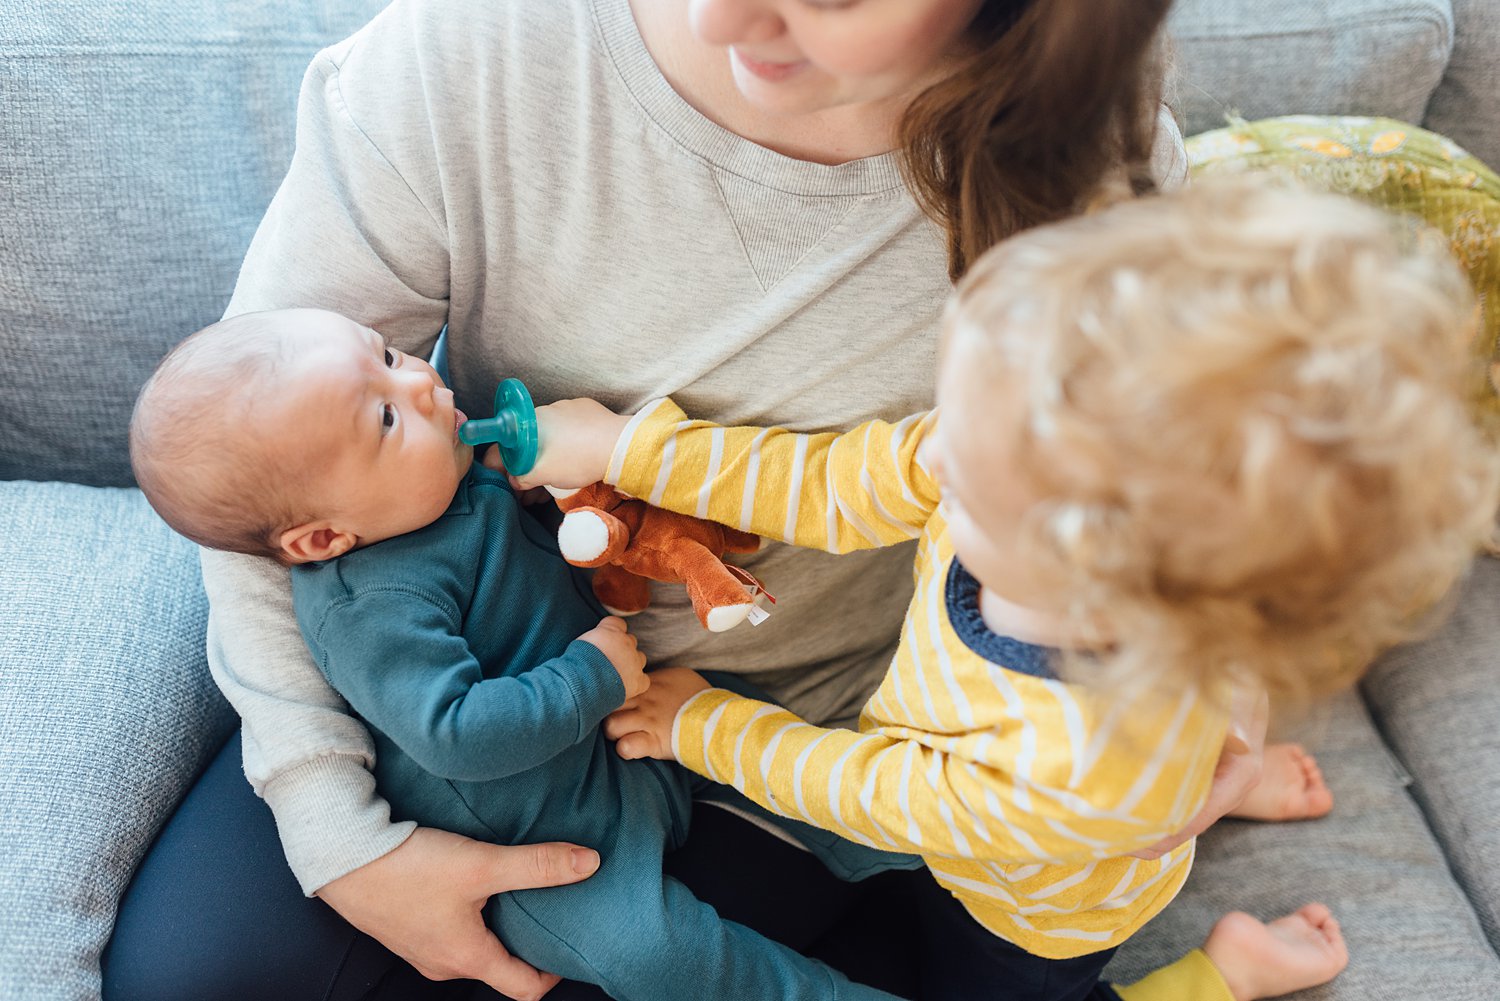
(214, 914)
(962, 961)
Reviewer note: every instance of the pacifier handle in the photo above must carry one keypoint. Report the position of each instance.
(513, 428)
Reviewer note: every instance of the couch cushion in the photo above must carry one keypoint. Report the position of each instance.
(1411, 931)
(139, 144)
(107, 712)
(1283, 57)
(1397, 167)
(1438, 702)
(1464, 105)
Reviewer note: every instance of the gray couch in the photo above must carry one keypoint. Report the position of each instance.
(139, 144)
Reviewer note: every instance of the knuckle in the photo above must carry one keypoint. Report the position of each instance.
(546, 866)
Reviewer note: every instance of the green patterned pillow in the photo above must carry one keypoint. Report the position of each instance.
(1393, 165)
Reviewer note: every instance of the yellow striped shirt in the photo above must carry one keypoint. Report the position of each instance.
(1022, 793)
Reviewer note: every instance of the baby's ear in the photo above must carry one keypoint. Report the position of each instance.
(313, 541)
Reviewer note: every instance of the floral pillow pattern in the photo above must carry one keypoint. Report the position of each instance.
(1392, 164)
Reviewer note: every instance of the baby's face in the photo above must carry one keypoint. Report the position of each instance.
(379, 426)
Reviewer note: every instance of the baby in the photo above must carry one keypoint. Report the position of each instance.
(447, 619)
(1203, 444)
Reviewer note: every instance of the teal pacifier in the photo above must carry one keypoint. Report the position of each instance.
(513, 428)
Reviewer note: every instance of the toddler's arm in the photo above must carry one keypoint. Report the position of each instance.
(948, 795)
(836, 492)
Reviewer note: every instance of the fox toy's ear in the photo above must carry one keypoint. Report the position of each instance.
(315, 540)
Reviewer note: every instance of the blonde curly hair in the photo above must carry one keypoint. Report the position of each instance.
(1270, 471)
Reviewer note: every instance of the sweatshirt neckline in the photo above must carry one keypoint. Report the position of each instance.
(715, 144)
(961, 596)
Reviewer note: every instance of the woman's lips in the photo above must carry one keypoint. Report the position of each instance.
(770, 72)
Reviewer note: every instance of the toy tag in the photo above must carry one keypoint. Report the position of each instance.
(756, 590)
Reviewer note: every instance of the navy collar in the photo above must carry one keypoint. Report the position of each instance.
(962, 599)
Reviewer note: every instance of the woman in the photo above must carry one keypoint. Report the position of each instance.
(718, 199)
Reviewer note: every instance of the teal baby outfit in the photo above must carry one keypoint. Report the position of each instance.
(457, 644)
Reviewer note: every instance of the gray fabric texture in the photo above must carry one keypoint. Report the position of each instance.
(1466, 106)
(1410, 929)
(1282, 57)
(139, 145)
(109, 713)
(1438, 704)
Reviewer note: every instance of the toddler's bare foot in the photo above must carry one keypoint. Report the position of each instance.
(1290, 788)
(1259, 960)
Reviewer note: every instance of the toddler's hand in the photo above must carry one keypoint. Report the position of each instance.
(643, 728)
(577, 438)
(612, 639)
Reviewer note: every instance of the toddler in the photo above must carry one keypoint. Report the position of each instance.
(478, 657)
(1188, 446)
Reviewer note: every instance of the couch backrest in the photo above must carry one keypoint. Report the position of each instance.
(1428, 62)
(1261, 58)
(1466, 105)
(140, 142)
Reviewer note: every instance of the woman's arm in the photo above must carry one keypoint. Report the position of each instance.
(358, 226)
(304, 754)
(327, 240)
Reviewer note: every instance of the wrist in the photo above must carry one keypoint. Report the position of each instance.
(595, 684)
(634, 451)
(607, 441)
(331, 820)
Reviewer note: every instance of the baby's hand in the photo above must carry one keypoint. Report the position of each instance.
(577, 438)
(612, 639)
(643, 728)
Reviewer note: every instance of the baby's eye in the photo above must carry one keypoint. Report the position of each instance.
(390, 358)
(387, 418)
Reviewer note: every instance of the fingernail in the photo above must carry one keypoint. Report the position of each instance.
(585, 861)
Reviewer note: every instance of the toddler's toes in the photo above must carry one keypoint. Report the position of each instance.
(1318, 799)
(1291, 787)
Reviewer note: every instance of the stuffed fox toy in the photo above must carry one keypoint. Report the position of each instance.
(631, 542)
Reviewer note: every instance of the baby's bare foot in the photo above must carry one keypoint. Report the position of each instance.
(1290, 788)
(1259, 960)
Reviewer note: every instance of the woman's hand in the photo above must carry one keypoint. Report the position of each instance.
(422, 901)
(642, 727)
(577, 438)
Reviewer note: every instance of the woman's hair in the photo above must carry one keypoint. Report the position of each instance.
(1247, 415)
(194, 447)
(1053, 100)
